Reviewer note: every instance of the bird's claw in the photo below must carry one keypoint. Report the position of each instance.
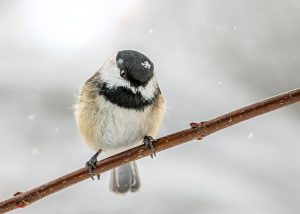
(91, 165)
(148, 142)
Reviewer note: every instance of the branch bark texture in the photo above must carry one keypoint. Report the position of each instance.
(196, 132)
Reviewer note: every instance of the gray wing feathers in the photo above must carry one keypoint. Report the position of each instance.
(125, 178)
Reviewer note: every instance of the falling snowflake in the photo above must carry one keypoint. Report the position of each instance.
(250, 136)
(146, 65)
(35, 151)
(120, 61)
(31, 117)
(151, 30)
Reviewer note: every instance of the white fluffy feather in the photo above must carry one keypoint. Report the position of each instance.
(118, 128)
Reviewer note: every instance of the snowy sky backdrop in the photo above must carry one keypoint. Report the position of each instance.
(210, 57)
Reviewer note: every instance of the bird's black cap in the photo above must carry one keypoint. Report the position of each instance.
(138, 67)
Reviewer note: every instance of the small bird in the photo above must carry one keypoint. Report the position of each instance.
(120, 107)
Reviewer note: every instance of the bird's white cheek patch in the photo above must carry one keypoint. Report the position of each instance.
(110, 74)
(149, 91)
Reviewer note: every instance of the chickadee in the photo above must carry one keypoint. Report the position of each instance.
(120, 107)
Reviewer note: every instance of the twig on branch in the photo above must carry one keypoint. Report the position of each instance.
(196, 132)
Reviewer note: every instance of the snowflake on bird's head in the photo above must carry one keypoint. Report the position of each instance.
(146, 64)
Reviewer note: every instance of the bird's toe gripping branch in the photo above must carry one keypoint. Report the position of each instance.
(148, 142)
(91, 164)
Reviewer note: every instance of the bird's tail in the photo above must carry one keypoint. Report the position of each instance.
(125, 178)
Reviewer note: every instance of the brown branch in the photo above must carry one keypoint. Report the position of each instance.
(204, 129)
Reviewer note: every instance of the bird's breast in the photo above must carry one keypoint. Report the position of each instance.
(120, 128)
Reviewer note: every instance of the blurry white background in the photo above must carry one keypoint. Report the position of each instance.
(210, 56)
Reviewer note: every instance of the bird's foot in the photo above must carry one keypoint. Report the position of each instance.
(91, 165)
(148, 142)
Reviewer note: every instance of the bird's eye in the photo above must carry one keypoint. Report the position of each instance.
(123, 73)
